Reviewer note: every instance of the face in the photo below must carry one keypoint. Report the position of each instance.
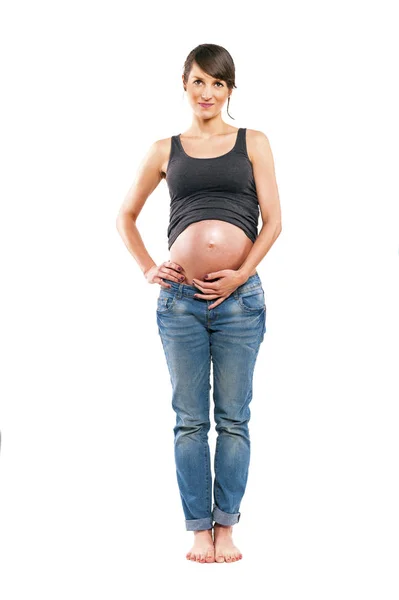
(202, 90)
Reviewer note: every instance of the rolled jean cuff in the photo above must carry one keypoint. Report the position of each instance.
(225, 518)
(197, 524)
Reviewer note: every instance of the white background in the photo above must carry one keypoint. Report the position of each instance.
(90, 506)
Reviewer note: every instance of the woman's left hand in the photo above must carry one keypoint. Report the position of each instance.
(228, 280)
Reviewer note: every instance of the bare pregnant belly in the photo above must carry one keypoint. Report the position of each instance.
(210, 245)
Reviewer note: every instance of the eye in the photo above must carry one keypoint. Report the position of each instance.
(218, 82)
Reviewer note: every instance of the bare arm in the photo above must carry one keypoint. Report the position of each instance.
(269, 200)
(148, 176)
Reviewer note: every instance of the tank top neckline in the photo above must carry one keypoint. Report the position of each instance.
(210, 157)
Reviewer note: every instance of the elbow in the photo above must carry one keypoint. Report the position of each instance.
(278, 225)
(275, 225)
(118, 223)
(121, 220)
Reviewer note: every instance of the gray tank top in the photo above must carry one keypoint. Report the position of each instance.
(222, 187)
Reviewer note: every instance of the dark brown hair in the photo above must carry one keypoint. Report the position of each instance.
(216, 61)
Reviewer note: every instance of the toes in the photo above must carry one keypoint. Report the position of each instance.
(204, 557)
(210, 555)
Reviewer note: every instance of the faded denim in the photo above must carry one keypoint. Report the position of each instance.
(192, 336)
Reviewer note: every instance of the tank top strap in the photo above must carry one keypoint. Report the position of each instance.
(241, 145)
(175, 146)
(174, 149)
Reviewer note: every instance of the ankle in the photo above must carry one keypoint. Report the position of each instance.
(224, 527)
(202, 531)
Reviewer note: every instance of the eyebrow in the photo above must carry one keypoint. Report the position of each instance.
(198, 77)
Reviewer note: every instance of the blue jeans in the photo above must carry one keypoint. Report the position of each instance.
(230, 335)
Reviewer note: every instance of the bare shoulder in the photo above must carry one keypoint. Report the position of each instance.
(257, 144)
(161, 148)
(164, 143)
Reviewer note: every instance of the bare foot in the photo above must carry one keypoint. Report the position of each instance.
(225, 550)
(202, 550)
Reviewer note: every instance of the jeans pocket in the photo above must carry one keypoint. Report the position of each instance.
(166, 299)
(252, 300)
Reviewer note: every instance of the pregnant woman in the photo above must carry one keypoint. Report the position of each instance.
(211, 305)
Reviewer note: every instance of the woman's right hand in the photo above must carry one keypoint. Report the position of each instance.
(167, 270)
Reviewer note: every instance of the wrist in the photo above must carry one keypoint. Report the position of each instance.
(145, 271)
(243, 275)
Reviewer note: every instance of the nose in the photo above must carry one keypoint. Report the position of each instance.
(206, 95)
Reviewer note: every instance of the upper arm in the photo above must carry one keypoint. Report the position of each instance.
(148, 176)
(265, 177)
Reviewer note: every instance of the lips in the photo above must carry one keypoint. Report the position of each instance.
(205, 105)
